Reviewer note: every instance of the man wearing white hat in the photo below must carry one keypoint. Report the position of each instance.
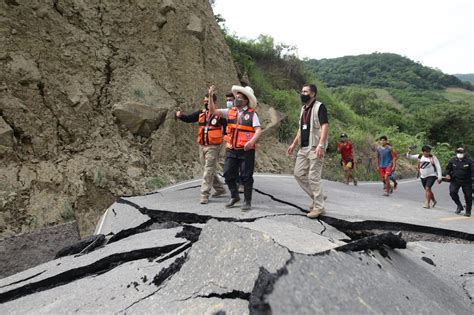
(243, 131)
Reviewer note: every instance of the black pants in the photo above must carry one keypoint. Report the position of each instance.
(243, 162)
(466, 189)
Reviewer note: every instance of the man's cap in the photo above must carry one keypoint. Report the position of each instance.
(343, 135)
(247, 91)
(460, 150)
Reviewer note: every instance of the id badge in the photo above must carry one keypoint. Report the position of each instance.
(305, 127)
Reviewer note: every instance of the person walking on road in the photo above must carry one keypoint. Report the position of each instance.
(386, 163)
(312, 138)
(429, 170)
(242, 134)
(209, 140)
(345, 147)
(459, 173)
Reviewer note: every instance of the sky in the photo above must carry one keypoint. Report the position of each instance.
(436, 33)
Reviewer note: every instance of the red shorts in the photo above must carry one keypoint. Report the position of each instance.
(385, 171)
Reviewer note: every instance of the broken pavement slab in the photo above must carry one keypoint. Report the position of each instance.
(106, 293)
(452, 262)
(294, 238)
(119, 217)
(357, 283)
(70, 268)
(225, 263)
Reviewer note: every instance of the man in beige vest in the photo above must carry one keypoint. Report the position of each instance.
(312, 137)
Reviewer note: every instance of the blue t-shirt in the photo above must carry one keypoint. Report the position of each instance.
(385, 156)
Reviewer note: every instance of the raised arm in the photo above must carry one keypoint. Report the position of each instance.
(212, 107)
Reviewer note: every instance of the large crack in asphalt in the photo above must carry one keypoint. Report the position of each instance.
(264, 286)
(351, 229)
(98, 267)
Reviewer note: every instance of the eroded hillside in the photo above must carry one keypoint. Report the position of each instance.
(88, 92)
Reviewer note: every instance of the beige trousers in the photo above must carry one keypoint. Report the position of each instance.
(209, 155)
(307, 173)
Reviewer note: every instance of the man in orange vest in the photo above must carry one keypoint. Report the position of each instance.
(243, 131)
(312, 138)
(209, 139)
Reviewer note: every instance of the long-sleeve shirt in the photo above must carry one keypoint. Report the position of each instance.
(429, 166)
(191, 118)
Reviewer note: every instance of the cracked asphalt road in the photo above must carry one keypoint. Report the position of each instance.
(166, 253)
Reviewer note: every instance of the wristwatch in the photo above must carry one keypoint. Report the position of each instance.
(321, 146)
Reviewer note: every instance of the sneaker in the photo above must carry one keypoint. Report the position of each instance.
(458, 210)
(314, 213)
(355, 182)
(204, 200)
(232, 202)
(218, 193)
(246, 206)
(467, 214)
(241, 189)
(386, 194)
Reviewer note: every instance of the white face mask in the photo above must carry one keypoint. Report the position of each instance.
(230, 104)
(460, 155)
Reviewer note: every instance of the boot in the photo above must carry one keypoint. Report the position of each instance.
(246, 206)
(459, 209)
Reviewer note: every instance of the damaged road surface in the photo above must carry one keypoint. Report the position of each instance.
(165, 253)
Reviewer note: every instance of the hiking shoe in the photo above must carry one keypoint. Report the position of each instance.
(246, 206)
(218, 193)
(241, 189)
(314, 213)
(204, 200)
(458, 210)
(232, 202)
(467, 214)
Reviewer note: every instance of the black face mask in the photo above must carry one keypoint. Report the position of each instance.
(305, 98)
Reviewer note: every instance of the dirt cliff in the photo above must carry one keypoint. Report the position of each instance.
(88, 91)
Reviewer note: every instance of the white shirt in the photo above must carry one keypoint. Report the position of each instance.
(255, 122)
(429, 166)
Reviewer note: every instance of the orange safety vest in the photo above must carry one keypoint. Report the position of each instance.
(210, 129)
(239, 129)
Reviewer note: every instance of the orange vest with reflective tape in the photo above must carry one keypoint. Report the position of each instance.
(210, 129)
(239, 129)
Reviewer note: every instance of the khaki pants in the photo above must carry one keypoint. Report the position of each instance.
(307, 173)
(209, 155)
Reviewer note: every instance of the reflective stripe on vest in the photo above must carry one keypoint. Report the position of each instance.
(240, 130)
(210, 129)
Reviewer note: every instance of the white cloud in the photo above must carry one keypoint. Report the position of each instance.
(438, 33)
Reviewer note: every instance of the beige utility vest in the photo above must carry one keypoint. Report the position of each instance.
(315, 128)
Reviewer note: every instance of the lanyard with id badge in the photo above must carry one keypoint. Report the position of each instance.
(306, 114)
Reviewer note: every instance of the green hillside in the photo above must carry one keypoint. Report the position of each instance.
(382, 70)
(468, 77)
(408, 116)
